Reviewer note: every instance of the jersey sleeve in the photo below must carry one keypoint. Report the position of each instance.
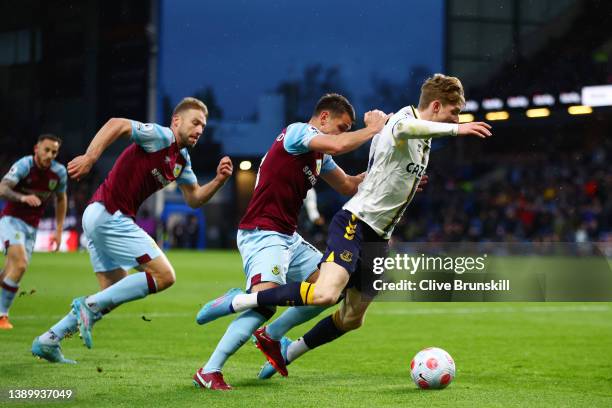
(187, 176)
(151, 136)
(328, 164)
(298, 137)
(411, 128)
(63, 179)
(18, 170)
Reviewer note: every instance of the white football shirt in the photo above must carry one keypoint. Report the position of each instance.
(398, 159)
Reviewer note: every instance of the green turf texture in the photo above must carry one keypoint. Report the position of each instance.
(507, 354)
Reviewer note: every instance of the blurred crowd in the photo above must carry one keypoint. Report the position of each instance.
(555, 198)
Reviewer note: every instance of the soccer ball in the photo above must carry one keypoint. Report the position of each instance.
(432, 368)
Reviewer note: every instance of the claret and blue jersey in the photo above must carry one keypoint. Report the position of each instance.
(153, 161)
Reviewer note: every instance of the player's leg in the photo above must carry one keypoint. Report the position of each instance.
(16, 264)
(265, 260)
(305, 260)
(293, 316)
(119, 243)
(18, 239)
(349, 316)
(334, 274)
(47, 345)
(359, 294)
(158, 275)
(68, 324)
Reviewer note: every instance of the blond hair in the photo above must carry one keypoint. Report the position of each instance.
(190, 103)
(446, 89)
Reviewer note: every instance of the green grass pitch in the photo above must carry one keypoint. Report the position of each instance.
(507, 354)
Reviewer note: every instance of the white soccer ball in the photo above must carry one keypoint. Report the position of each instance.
(432, 368)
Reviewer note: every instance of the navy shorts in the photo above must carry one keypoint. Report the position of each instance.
(352, 244)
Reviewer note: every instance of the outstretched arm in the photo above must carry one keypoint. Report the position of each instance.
(349, 141)
(196, 195)
(7, 192)
(109, 133)
(342, 182)
(424, 129)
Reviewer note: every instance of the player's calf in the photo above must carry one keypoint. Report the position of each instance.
(347, 323)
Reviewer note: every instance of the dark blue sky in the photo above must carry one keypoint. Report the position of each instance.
(244, 48)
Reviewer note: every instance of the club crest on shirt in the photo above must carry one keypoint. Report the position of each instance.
(276, 269)
(346, 256)
(319, 164)
(52, 184)
(177, 170)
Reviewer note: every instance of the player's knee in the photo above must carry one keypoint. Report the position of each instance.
(20, 266)
(165, 279)
(325, 297)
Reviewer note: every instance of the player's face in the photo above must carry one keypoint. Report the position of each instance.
(446, 113)
(191, 124)
(46, 151)
(335, 124)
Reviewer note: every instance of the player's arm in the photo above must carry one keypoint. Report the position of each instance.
(342, 182)
(349, 141)
(61, 205)
(196, 195)
(410, 128)
(7, 193)
(109, 133)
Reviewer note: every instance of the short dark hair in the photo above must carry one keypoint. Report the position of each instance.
(336, 104)
(49, 136)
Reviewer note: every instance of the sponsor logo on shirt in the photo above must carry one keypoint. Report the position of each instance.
(311, 177)
(160, 177)
(416, 169)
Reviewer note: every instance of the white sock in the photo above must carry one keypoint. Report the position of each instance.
(244, 301)
(296, 349)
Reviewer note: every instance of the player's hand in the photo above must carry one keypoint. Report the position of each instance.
(480, 129)
(56, 240)
(319, 222)
(376, 120)
(31, 200)
(80, 166)
(424, 180)
(224, 169)
(361, 176)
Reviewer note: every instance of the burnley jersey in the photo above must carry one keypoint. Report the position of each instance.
(30, 179)
(150, 163)
(286, 173)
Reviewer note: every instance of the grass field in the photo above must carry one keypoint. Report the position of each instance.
(507, 354)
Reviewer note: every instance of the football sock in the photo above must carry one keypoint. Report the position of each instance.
(132, 287)
(9, 290)
(237, 333)
(296, 349)
(66, 326)
(290, 318)
(323, 332)
(290, 294)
